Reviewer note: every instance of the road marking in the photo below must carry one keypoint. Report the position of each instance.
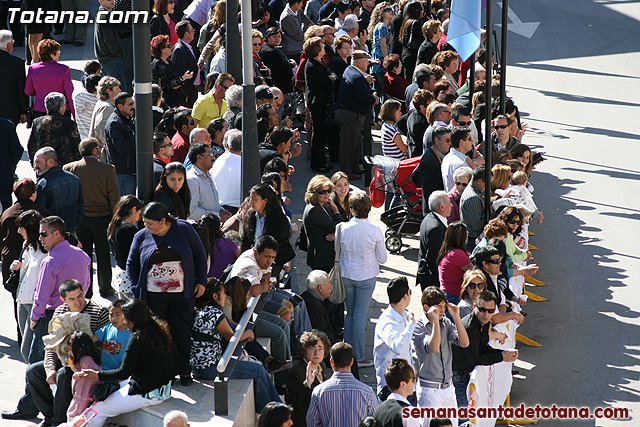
(525, 29)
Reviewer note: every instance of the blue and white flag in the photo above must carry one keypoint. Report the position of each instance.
(464, 27)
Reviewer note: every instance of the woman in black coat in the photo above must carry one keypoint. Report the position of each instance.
(281, 67)
(161, 22)
(266, 217)
(165, 74)
(412, 37)
(319, 95)
(320, 218)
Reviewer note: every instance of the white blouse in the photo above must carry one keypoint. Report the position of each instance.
(362, 249)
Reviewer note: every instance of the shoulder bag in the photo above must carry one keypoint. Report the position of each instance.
(338, 293)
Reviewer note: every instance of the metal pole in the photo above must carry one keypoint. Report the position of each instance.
(232, 44)
(144, 115)
(503, 56)
(250, 157)
(472, 77)
(488, 149)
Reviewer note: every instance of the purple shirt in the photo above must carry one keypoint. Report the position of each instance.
(46, 77)
(225, 252)
(64, 262)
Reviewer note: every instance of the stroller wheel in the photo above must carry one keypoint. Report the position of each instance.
(389, 232)
(393, 243)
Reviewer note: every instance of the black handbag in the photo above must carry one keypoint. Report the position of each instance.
(12, 282)
(301, 242)
(103, 390)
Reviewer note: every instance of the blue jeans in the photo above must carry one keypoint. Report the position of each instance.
(460, 382)
(114, 69)
(264, 392)
(126, 184)
(36, 352)
(453, 299)
(358, 298)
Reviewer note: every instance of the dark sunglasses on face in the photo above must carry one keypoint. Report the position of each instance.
(495, 261)
(43, 234)
(501, 126)
(192, 122)
(464, 123)
(514, 222)
(324, 191)
(475, 285)
(464, 184)
(484, 310)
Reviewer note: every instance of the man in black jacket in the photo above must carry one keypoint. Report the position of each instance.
(478, 352)
(106, 43)
(318, 290)
(432, 230)
(184, 59)
(429, 167)
(12, 76)
(121, 143)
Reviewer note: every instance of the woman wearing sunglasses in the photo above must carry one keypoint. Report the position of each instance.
(320, 218)
(513, 218)
(473, 283)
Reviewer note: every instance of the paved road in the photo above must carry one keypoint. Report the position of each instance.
(577, 81)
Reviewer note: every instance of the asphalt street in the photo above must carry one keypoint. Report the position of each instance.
(577, 82)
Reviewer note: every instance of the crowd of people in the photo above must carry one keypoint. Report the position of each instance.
(188, 261)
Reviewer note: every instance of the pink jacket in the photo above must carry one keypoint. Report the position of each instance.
(82, 389)
(46, 77)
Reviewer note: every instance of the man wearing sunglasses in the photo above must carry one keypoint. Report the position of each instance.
(213, 105)
(488, 260)
(479, 352)
(500, 138)
(461, 144)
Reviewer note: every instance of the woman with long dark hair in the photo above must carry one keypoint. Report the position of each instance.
(453, 261)
(122, 228)
(28, 224)
(266, 217)
(167, 267)
(147, 361)
(220, 251)
(173, 191)
(412, 37)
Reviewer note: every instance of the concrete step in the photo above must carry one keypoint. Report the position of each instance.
(197, 401)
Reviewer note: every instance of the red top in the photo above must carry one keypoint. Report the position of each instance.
(180, 147)
(173, 36)
(394, 85)
(450, 271)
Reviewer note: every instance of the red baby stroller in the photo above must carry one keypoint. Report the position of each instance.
(406, 218)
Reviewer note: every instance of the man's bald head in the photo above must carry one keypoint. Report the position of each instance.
(176, 419)
(87, 146)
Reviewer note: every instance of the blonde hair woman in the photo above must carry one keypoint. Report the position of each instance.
(473, 283)
(319, 219)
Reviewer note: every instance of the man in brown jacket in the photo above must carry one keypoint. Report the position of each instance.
(100, 190)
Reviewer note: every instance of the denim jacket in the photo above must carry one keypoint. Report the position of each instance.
(60, 192)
